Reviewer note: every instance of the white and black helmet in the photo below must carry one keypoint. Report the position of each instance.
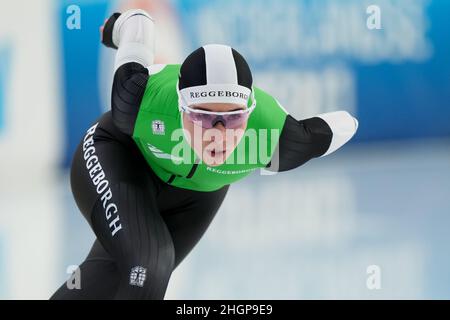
(215, 73)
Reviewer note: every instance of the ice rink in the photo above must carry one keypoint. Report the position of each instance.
(304, 234)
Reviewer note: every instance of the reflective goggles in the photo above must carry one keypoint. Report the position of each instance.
(208, 119)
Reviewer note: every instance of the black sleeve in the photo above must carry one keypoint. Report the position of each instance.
(108, 31)
(300, 141)
(130, 81)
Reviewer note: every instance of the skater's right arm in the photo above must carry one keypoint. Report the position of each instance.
(132, 34)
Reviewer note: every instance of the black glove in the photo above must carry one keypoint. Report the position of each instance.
(108, 31)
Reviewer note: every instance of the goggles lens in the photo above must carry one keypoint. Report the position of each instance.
(209, 120)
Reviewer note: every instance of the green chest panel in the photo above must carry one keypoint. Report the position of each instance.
(160, 137)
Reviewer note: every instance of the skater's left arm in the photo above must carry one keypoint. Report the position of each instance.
(303, 140)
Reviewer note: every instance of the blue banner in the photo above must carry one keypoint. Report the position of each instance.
(80, 45)
(398, 76)
(313, 56)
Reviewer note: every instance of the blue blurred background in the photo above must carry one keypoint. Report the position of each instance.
(382, 200)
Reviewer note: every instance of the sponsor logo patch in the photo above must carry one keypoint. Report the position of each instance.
(158, 127)
(138, 275)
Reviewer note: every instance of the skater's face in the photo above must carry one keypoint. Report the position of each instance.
(214, 142)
